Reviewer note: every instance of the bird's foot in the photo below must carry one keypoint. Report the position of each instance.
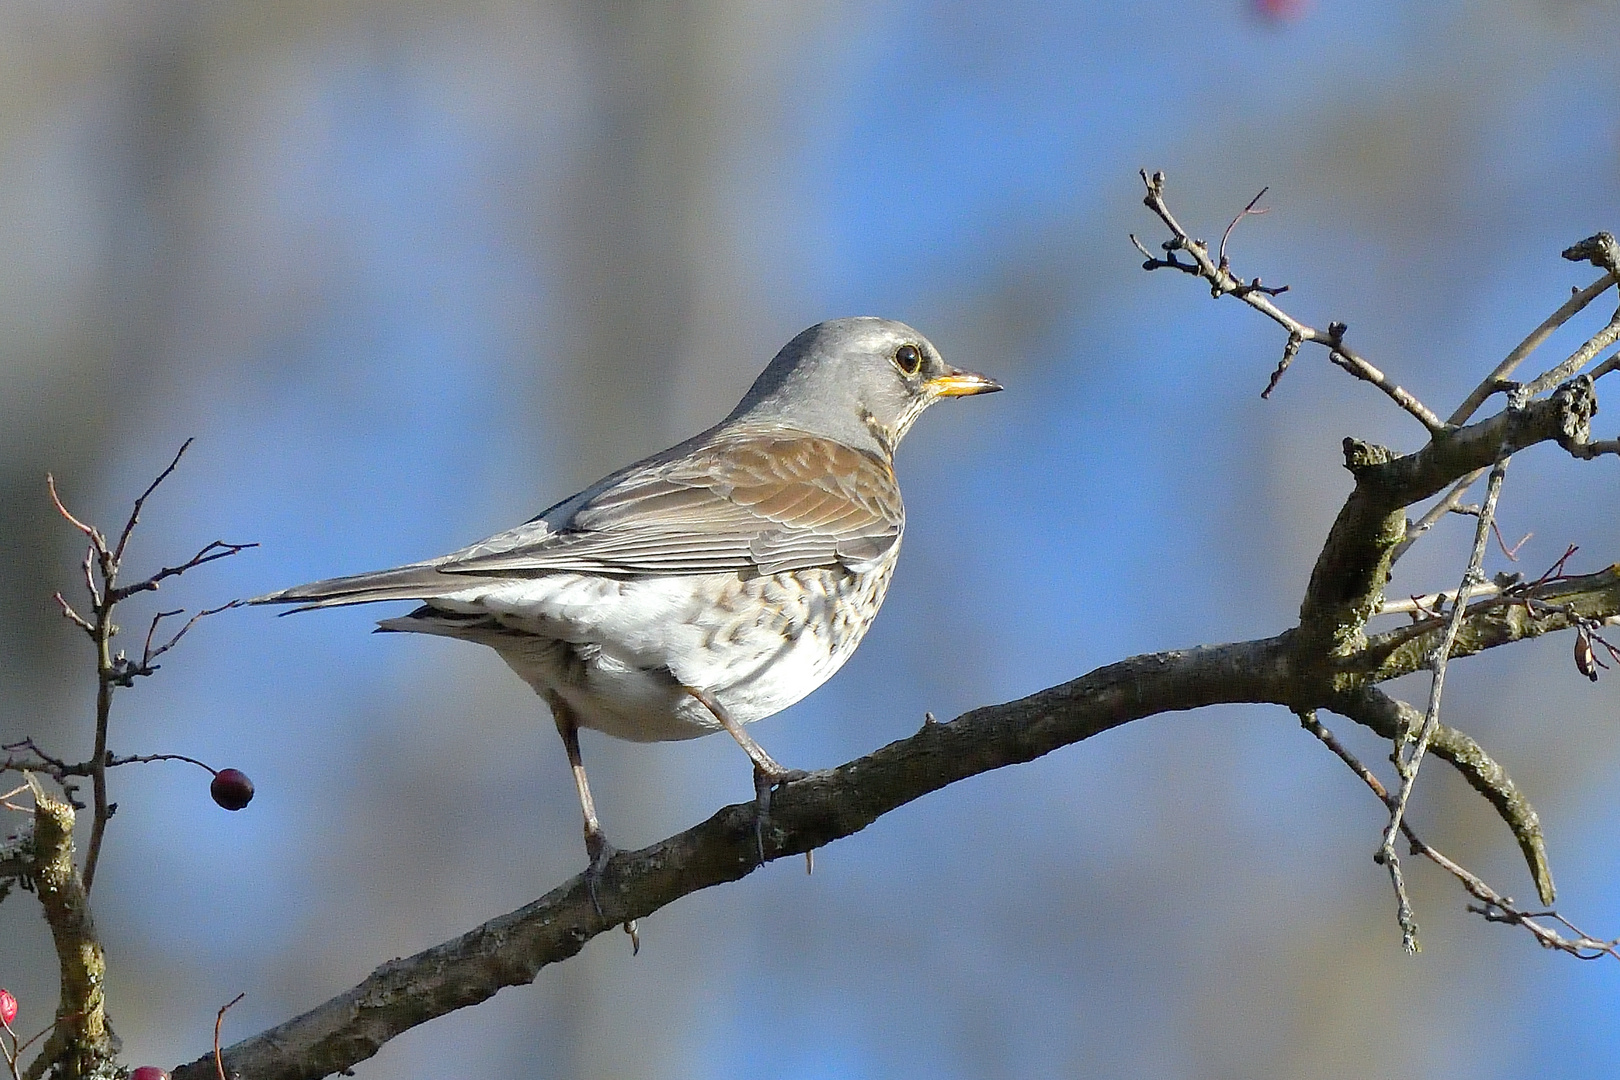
(599, 851)
(765, 783)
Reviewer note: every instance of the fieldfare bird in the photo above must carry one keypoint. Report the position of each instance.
(708, 586)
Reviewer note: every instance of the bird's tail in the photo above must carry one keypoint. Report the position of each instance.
(416, 581)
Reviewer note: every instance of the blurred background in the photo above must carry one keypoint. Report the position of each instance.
(412, 272)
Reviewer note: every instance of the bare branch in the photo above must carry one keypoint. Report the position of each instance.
(140, 502)
(1290, 350)
(1407, 764)
(813, 812)
(148, 654)
(1577, 359)
(1247, 211)
(1222, 282)
(1446, 505)
(1518, 613)
(94, 536)
(1346, 358)
(805, 814)
(142, 759)
(1432, 604)
(73, 616)
(1609, 365)
(1495, 907)
(81, 1034)
(219, 1020)
(1388, 717)
(217, 549)
(1590, 450)
(1348, 579)
(1497, 379)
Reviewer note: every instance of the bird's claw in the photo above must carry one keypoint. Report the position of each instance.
(764, 784)
(600, 853)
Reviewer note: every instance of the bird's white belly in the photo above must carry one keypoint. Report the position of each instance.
(619, 651)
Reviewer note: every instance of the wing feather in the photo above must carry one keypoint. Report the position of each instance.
(764, 502)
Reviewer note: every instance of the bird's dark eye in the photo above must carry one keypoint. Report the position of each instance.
(908, 358)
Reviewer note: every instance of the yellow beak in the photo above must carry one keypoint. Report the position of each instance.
(961, 384)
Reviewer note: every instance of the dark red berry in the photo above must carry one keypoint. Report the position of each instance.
(231, 789)
(8, 1007)
(148, 1072)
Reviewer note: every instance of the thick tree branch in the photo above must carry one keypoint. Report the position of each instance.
(81, 1045)
(807, 814)
(826, 806)
(1501, 620)
(1348, 579)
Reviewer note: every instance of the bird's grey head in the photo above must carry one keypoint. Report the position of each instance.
(861, 381)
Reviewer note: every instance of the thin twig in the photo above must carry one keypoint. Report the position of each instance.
(1494, 907)
(146, 650)
(1223, 282)
(143, 759)
(1290, 350)
(219, 1062)
(135, 512)
(1446, 505)
(1576, 360)
(73, 616)
(1511, 553)
(216, 549)
(94, 536)
(1433, 605)
(149, 654)
(1409, 759)
(1498, 377)
(1247, 211)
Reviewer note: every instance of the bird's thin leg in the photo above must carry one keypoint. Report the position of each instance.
(767, 773)
(597, 848)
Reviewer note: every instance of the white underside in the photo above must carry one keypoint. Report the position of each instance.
(619, 651)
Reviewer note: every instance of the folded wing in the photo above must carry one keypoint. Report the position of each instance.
(762, 503)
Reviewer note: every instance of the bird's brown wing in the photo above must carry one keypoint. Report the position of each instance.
(747, 502)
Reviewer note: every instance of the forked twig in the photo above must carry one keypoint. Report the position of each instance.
(1222, 282)
(1247, 211)
(1493, 906)
(140, 501)
(1408, 755)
